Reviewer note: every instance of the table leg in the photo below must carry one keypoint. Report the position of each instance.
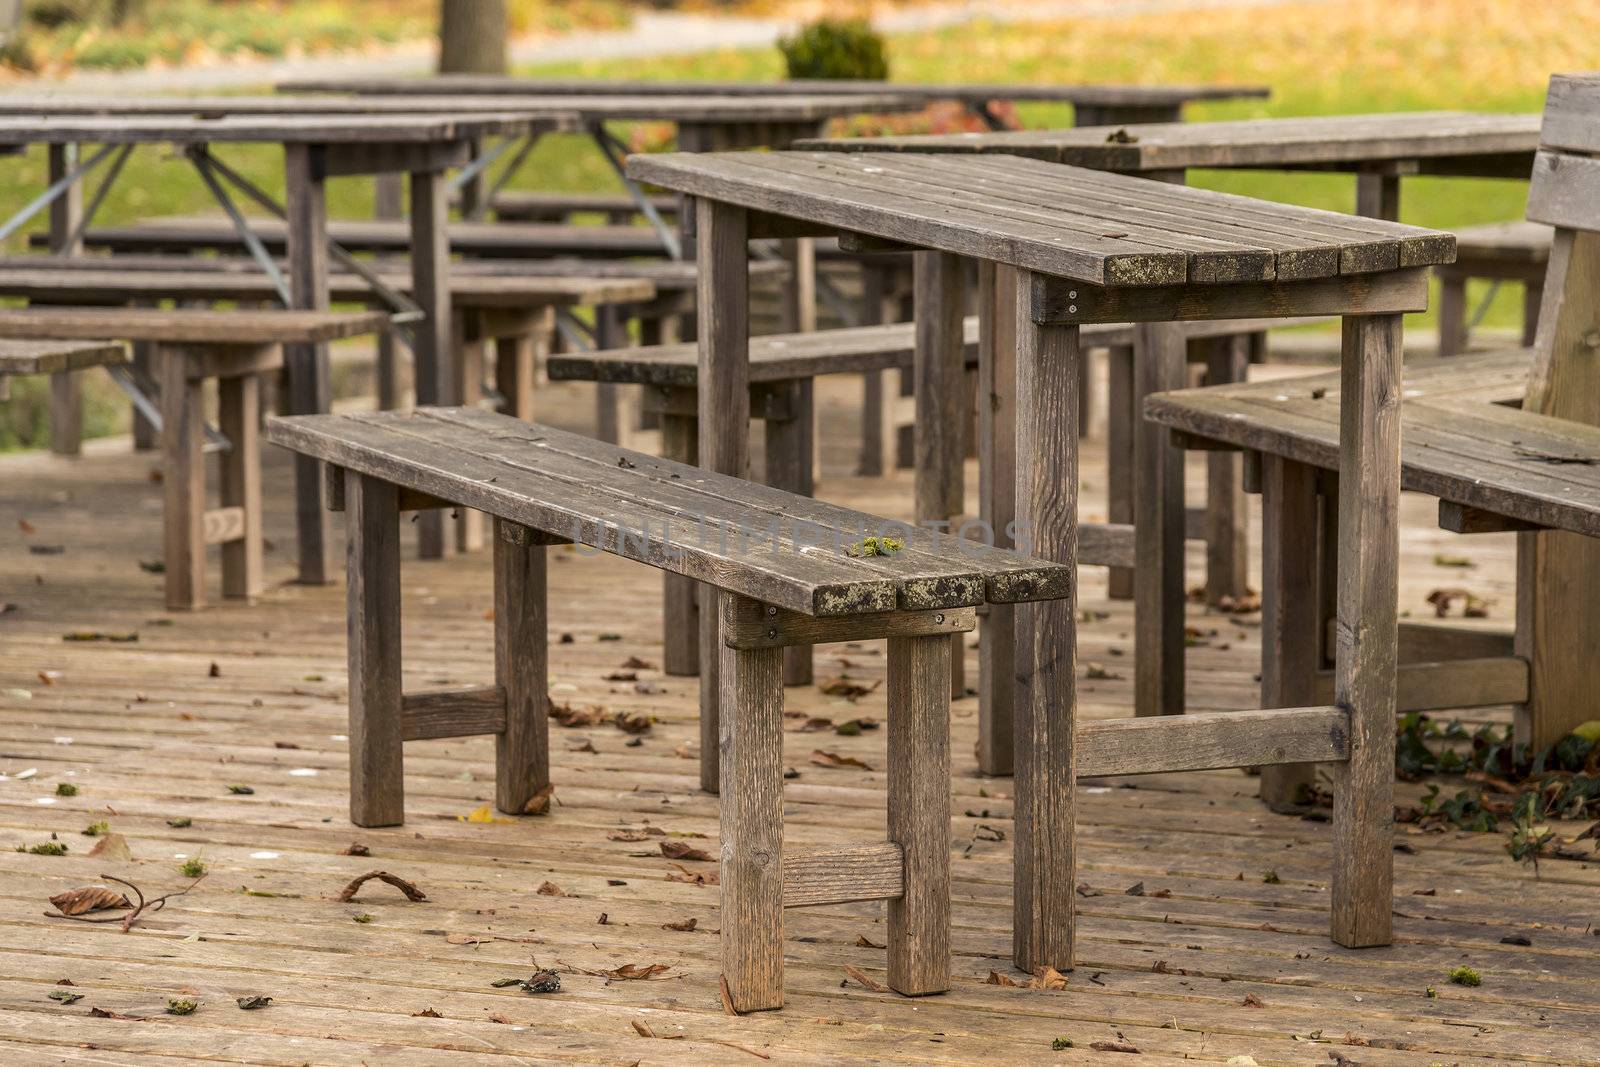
(939, 371)
(430, 348)
(997, 489)
(310, 390)
(1291, 646)
(388, 202)
(1378, 195)
(1121, 421)
(1047, 510)
(183, 481)
(66, 388)
(1368, 628)
(723, 328)
(1160, 363)
(1227, 515)
(790, 448)
(239, 416)
(877, 397)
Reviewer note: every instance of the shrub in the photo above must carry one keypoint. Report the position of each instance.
(838, 49)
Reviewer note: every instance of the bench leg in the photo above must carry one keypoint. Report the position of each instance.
(1368, 629)
(997, 437)
(306, 367)
(66, 413)
(1121, 421)
(145, 438)
(877, 401)
(1290, 642)
(609, 333)
(751, 747)
(919, 812)
(1159, 529)
(680, 635)
(521, 667)
(377, 771)
(1046, 697)
(516, 366)
(389, 392)
(1227, 514)
(183, 481)
(239, 404)
(789, 446)
(432, 353)
(1452, 313)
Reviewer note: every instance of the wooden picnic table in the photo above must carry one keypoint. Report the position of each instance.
(1092, 104)
(59, 359)
(1058, 247)
(1379, 149)
(316, 147)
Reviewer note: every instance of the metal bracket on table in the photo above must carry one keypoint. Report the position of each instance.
(575, 331)
(135, 381)
(406, 310)
(54, 191)
(616, 154)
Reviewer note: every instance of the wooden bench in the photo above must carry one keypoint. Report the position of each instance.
(190, 346)
(793, 583)
(62, 360)
(1500, 251)
(511, 312)
(383, 236)
(1493, 466)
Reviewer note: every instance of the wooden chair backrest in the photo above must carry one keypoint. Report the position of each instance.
(1564, 380)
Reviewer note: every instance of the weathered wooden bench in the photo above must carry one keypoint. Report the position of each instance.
(190, 346)
(63, 361)
(1493, 466)
(783, 575)
(511, 312)
(1502, 252)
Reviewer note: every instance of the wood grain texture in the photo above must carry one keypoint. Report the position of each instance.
(306, 368)
(1045, 703)
(680, 612)
(521, 657)
(919, 812)
(183, 482)
(1291, 645)
(1122, 422)
(997, 445)
(372, 581)
(432, 355)
(239, 419)
(1571, 118)
(842, 874)
(1364, 678)
(1227, 518)
(939, 303)
(723, 335)
(467, 711)
(757, 625)
(1159, 362)
(1206, 740)
(1456, 682)
(750, 750)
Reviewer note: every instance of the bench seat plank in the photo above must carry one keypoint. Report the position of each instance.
(476, 290)
(190, 325)
(1460, 442)
(35, 356)
(578, 488)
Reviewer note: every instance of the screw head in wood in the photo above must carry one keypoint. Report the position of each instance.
(939, 617)
(771, 609)
(772, 634)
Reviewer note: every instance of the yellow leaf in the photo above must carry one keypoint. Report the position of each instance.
(482, 814)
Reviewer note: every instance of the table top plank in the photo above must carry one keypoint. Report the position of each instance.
(489, 85)
(686, 107)
(1090, 233)
(36, 128)
(21, 355)
(1323, 141)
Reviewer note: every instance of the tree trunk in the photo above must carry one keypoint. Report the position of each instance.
(472, 36)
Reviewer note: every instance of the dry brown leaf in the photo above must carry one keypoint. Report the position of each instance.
(89, 898)
(844, 687)
(539, 803)
(815, 725)
(683, 926)
(862, 979)
(1112, 1046)
(862, 942)
(1252, 1001)
(643, 834)
(682, 850)
(833, 759)
(102, 1013)
(1048, 978)
(684, 874)
(633, 972)
(426, 1013)
(501, 1019)
(727, 996)
(631, 724)
(467, 939)
(355, 848)
(996, 978)
(634, 663)
(623, 676)
(112, 847)
(348, 893)
(550, 889)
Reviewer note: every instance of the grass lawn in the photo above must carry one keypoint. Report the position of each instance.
(1346, 56)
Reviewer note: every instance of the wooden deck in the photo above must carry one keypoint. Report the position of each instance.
(1207, 962)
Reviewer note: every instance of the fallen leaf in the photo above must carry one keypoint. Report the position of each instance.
(833, 759)
(181, 1005)
(727, 996)
(501, 1019)
(684, 874)
(253, 1003)
(622, 676)
(633, 972)
(1112, 1046)
(355, 848)
(539, 803)
(636, 664)
(65, 996)
(112, 847)
(862, 942)
(844, 687)
(550, 889)
(996, 978)
(862, 979)
(102, 1013)
(89, 898)
(1252, 1001)
(682, 850)
(1096, 673)
(644, 834)
(683, 926)
(1048, 978)
(348, 893)
(429, 1013)
(483, 814)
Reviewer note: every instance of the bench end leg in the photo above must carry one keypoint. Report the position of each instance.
(521, 657)
(919, 812)
(377, 769)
